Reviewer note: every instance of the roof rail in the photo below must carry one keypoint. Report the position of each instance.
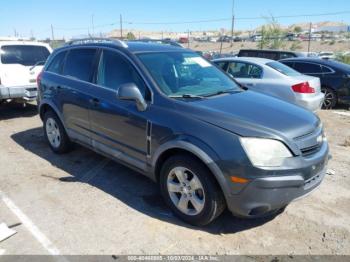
(90, 40)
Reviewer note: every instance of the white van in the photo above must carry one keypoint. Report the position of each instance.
(20, 64)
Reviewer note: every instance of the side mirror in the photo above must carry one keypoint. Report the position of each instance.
(131, 92)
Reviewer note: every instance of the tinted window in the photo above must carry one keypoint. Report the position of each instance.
(114, 70)
(326, 70)
(307, 68)
(283, 69)
(286, 55)
(27, 55)
(244, 70)
(268, 55)
(79, 63)
(57, 63)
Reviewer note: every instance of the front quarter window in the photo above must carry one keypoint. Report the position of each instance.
(186, 73)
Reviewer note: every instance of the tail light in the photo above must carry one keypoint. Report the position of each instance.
(304, 88)
(38, 78)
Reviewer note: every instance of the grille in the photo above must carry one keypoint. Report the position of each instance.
(310, 150)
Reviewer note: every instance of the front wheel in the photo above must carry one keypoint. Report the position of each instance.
(190, 190)
(330, 98)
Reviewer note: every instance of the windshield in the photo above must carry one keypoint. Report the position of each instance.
(286, 70)
(185, 73)
(26, 55)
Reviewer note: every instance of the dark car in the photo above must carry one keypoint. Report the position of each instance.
(334, 76)
(269, 54)
(171, 115)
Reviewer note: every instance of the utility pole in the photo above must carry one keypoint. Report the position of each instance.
(188, 38)
(233, 21)
(93, 26)
(52, 34)
(308, 47)
(121, 27)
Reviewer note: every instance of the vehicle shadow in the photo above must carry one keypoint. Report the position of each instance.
(133, 189)
(14, 110)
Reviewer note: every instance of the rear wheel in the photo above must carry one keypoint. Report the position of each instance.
(55, 133)
(330, 98)
(190, 190)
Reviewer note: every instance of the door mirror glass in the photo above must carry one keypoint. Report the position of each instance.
(131, 92)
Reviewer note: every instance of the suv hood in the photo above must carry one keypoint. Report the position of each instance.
(252, 114)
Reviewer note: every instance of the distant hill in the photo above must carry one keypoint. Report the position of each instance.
(305, 26)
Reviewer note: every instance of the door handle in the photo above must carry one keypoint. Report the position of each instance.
(94, 101)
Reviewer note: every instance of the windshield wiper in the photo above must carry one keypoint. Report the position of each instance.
(221, 92)
(36, 64)
(187, 96)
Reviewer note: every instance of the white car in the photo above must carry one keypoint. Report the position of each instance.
(275, 79)
(326, 55)
(20, 64)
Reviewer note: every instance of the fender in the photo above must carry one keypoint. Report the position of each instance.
(197, 151)
(54, 108)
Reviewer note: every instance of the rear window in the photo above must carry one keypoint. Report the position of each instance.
(27, 55)
(79, 64)
(308, 68)
(283, 69)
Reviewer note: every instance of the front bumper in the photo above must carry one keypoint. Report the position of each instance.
(269, 193)
(27, 92)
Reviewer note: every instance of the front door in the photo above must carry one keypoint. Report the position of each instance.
(119, 129)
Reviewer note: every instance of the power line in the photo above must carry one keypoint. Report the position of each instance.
(200, 21)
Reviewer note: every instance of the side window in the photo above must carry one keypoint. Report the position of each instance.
(79, 64)
(114, 70)
(222, 65)
(286, 55)
(268, 55)
(290, 64)
(244, 70)
(327, 70)
(57, 63)
(308, 68)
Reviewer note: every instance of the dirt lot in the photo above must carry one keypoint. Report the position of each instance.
(316, 46)
(82, 203)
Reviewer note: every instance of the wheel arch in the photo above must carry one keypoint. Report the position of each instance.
(183, 147)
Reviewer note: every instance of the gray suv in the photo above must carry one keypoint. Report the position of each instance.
(171, 115)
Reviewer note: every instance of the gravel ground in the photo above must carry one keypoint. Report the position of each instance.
(83, 203)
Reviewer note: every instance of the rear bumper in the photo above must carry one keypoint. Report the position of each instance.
(269, 193)
(313, 103)
(27, 92)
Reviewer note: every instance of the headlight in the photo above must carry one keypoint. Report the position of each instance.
(265, 152)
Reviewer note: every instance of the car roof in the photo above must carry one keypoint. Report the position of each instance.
(326, 62)
(3, 43)
(256, 60)
(268, 50)
(131, 46)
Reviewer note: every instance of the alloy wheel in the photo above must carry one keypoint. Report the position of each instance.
(53, 132)
(186, 191)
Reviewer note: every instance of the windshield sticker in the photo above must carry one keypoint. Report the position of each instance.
(197, 60)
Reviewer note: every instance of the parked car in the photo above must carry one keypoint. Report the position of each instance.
(171, 115)
(334, 76)
(269, 54)
(326, 55)
(275, 79)
(20, 63)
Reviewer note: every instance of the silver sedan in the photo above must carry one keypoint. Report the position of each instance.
(275, 79)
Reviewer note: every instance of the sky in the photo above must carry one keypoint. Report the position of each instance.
(74, 17)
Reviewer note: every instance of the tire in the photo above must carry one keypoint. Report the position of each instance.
(330, 99)
(55, 133)
(200, 204)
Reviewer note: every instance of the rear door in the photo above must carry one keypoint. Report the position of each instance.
(21, 64)
(75, 92)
